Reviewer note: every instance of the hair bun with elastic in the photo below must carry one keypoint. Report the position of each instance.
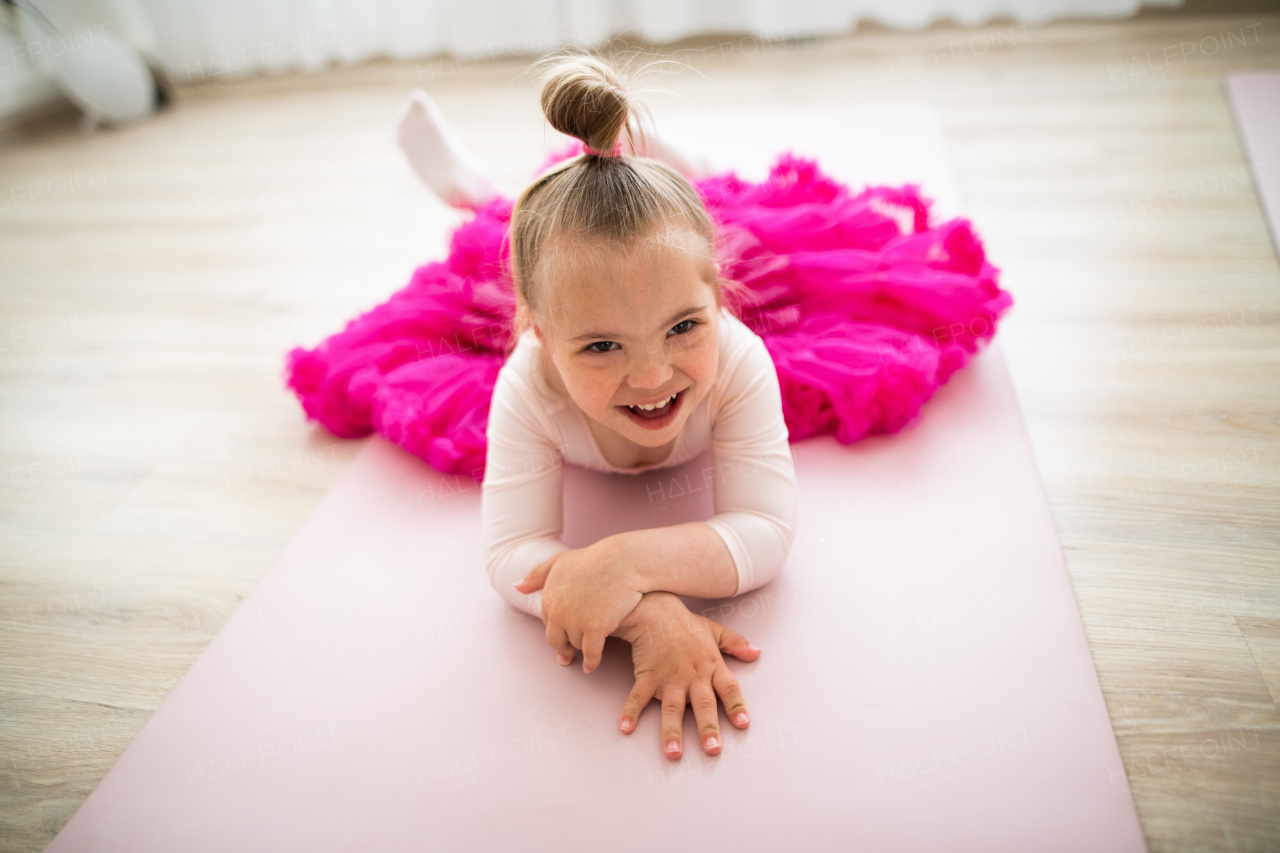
(584, 98)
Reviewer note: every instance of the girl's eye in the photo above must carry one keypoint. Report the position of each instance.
(681, 328)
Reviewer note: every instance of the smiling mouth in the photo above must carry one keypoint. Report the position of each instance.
(657, 415)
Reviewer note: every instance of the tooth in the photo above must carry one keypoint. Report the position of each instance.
(656, 405)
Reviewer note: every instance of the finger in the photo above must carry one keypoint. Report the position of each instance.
(731, 695)
(733, 643)
(673, 702)
(639, 698)
(706, 714)
(592, 650)
(536, 578)
(559, 641)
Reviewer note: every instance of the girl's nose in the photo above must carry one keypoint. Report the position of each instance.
(652, 372)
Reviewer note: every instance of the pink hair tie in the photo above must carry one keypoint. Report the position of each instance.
(615, 152)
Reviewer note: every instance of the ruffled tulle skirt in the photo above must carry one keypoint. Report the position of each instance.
(866, 307)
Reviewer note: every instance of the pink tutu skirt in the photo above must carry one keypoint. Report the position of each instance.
(865, 306)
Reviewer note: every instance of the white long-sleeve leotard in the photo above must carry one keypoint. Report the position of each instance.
(533, 430)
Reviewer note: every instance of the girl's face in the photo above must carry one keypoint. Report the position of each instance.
(638, 329)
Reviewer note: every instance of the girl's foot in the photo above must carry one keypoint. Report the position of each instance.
(440, 160)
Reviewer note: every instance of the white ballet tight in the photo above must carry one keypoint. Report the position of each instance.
(460, 180)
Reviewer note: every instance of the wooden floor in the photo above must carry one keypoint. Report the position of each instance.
(152, 466)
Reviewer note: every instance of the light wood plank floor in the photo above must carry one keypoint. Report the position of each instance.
(152, 466)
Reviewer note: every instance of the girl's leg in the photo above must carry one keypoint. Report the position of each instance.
(688, 163)
(452, 173)
(440, 160)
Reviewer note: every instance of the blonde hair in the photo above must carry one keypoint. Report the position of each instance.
(602, 205)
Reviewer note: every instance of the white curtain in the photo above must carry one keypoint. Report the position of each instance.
(195, 39)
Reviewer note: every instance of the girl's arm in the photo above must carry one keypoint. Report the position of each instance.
(521, 498)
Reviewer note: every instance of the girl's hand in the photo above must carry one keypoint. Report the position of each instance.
(677, 659)
(586, 593)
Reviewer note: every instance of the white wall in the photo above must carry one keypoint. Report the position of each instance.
(200, 38)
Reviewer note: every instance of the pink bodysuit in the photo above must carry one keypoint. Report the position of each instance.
(533, 430)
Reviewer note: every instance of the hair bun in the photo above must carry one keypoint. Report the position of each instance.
(584, 98)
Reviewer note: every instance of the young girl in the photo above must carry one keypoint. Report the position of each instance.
(620, 318)
(629, 362)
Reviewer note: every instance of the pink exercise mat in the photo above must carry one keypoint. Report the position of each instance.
(1255, 97)
(925, 683)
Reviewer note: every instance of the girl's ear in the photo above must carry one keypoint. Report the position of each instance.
(524, 318)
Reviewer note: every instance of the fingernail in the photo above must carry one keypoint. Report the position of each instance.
(564, 660)
(673, 747)
(713, 742)
(753, 647)
(741, 719)
(626, 725)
